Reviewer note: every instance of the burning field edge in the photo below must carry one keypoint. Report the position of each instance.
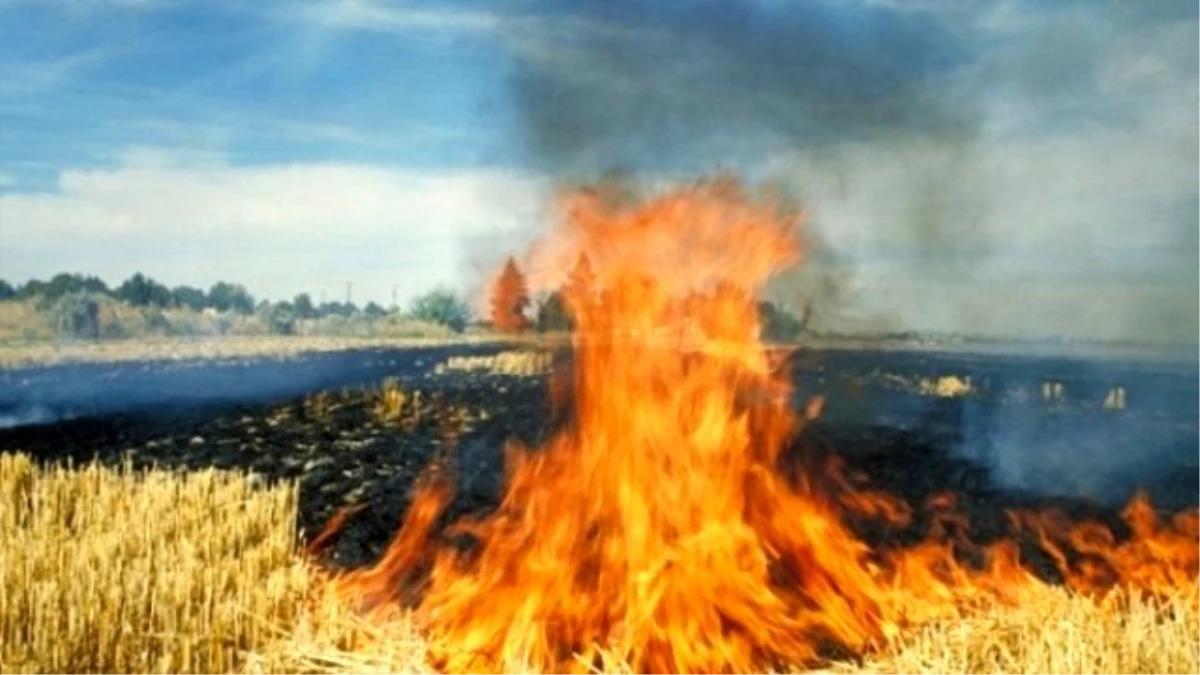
(216, 583)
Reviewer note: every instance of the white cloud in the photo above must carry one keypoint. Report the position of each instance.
(280, 229)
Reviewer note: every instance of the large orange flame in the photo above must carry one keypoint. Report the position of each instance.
(656, 530)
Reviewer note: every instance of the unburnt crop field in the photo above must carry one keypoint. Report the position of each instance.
(180, 521)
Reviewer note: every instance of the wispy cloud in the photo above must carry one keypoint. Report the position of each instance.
(21, 79)
(224, 131)
(528, 34)
(377, 16)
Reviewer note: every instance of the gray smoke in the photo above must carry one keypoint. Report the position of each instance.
(1074, 446)
(663, 88)
(651, 85)
(937, 146)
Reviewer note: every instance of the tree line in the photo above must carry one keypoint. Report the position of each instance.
(511, 309)
(79, 295)
(510, 305)
(138, 290)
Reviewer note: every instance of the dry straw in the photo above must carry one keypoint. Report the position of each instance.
(115, 571)
(112, 570)
(1055, 631)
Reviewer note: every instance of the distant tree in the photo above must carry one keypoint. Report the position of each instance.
(7, 292)
(374, 310)
(34, 288)
(59, 285)
(336, 309)
(281, 318)
(142, 291)
(509, 298)
(226, 297)
(160, 295)
(94, 284)
(444, 306)
(189, 297)
(303, 305)
(552, 314)
(64, 283)
(134, 290)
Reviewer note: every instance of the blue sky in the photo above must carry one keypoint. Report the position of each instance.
(88, 79)
(949, 153)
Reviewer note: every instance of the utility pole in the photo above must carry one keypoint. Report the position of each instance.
(395, 305)
(349, 286)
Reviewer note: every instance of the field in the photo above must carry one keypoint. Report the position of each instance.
(44, 353)
(241, 474)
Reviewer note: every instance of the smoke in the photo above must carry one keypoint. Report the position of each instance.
(665, 89)
(46, 394)
(934, 146)
(1073, 445)
(29, 413)
(638, 84)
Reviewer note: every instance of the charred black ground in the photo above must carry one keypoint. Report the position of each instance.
(912, 444)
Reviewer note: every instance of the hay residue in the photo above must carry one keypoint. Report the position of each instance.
(946, 386)
(526, 363)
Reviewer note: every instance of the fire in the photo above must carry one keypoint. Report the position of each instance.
(658, 530)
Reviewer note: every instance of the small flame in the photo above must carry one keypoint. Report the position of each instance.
(657, 529)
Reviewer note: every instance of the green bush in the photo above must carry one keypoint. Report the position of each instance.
(443, 306)
(77, 315)
(280, 318)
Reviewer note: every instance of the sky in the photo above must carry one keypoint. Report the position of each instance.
(997, 168)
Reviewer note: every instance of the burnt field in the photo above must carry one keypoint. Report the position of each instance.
(998, 431)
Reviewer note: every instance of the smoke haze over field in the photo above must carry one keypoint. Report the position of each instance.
(1005, 169)
(945, 152)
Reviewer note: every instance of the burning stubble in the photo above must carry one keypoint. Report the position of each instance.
(657, 529)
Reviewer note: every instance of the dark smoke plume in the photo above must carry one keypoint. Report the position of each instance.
(670, 88)
(945, 151)
(651, 85)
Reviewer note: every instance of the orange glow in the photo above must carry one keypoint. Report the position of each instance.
(657, 529)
